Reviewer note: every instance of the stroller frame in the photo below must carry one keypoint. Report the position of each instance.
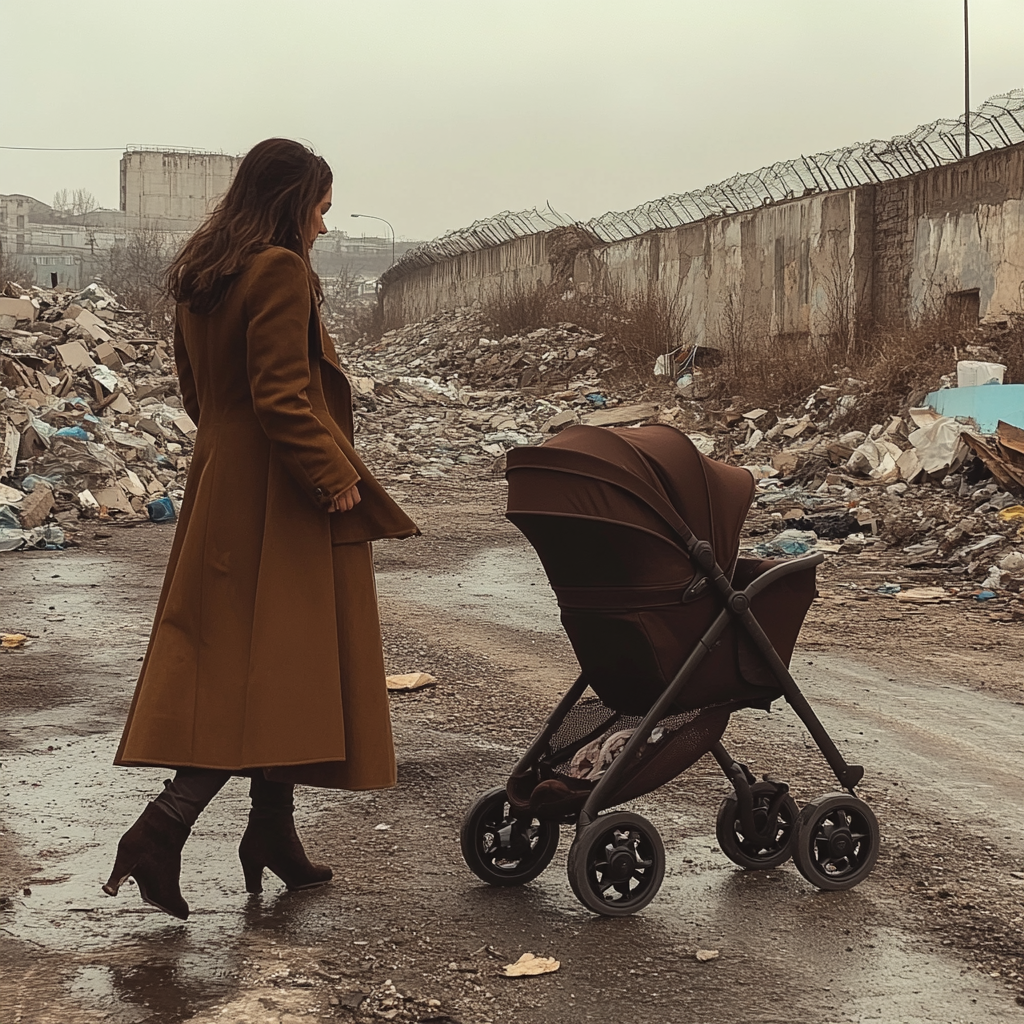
(736, 607)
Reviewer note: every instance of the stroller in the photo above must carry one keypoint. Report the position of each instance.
(639, 535)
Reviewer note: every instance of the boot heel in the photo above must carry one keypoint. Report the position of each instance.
(253, 872)
(116, 880)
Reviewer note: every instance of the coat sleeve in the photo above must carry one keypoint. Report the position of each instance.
(187, 380)
(278, 307)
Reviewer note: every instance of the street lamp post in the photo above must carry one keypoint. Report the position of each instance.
(370, 216)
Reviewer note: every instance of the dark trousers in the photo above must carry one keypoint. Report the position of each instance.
(186, 795)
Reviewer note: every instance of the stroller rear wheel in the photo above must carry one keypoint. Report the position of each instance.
(837, 841)
(502, 847)
(616, 864)
(774, 845)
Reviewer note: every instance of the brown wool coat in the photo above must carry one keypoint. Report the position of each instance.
(266, 648)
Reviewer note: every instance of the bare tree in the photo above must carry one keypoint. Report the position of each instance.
(12, 269)
(74, 203)
(135, 268)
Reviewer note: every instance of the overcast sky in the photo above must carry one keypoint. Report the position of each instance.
(434, 113)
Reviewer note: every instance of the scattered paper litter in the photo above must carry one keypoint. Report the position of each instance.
(703, 955)
(12, 639)
(411, 681)
(528, 965)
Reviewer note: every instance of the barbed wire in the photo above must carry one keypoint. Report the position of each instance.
(997, 123)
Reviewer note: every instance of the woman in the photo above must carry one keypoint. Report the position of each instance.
(265, 657)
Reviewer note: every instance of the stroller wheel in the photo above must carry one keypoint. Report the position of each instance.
(616, 864)
(502, 847)
(837, 841)
(774, 846)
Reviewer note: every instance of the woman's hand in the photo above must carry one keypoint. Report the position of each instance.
(346, 500)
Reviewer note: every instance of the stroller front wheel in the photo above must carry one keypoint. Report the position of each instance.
(616, 864)
(501, 846)
(837, 842)
(774, 846)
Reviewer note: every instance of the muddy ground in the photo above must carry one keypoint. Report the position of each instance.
(930, 700)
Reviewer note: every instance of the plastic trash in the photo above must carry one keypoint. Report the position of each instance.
(663, 366)
(984, 595)
(596, 398)
(9, 518)
(105, 377)
(41, 427)
(994, 579)
(795, 542)
(161, 510)
(29, 483)
(42, 537)
(78, 433)
(98, 294)
(888, 589)
(972, 373)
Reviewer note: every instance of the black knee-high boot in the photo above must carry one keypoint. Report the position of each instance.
(270, 840)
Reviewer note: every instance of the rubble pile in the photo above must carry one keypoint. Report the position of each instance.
(927, 488)
(91, 420)
(446, 392)
(92, 427)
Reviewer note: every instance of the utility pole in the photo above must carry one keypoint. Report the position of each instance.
(967, 84)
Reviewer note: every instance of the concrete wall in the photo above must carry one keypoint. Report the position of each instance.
(790, 269)
(473, 276)
(159, 188)
(825, 264)
(953, 229)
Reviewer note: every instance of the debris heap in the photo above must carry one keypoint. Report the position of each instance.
(449, 391)
(91, 420)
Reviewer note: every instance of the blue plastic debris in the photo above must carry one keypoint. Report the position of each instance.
(984, 595)
(76, 432)
(596, 398)
(29, 483)
(789, 542)
(161, 510)
(889, 589)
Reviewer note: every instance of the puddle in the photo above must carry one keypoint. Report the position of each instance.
(164, 991)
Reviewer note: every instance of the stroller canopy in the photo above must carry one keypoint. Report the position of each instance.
(604, 507)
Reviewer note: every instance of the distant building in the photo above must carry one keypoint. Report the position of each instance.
(166, 191)
(172, 189)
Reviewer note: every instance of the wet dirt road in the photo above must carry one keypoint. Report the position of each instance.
(405, 932)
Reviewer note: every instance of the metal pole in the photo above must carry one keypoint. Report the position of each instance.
(967, 84)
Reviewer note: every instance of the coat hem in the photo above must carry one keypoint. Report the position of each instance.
(125, 762)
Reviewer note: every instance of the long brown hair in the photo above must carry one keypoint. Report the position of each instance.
(270, 202)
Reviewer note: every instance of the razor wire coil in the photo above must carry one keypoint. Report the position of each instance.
(996, 124)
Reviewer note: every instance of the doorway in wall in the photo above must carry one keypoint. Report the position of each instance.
(964, 308)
